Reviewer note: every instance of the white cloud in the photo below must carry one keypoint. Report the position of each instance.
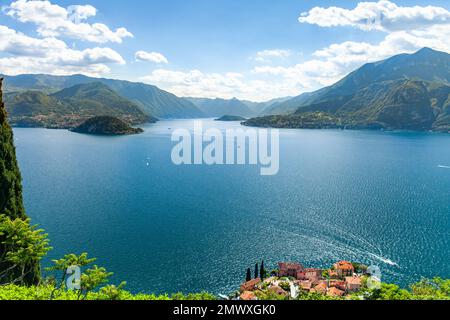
(155, 57)
(267, 55)
(408, 30)
(53, 20)
(382, 16)
(51, 55)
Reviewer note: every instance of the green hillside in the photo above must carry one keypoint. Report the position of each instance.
(152, 100)
(69, 107)
(404, 92)
(105, 125)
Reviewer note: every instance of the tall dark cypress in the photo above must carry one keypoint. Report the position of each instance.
(11, 202)
(262, 272)
(256, 271)
(249, 275)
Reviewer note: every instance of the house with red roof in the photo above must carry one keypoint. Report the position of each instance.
(287, 269)
(344, 268)
(353, 284)
(250, 285)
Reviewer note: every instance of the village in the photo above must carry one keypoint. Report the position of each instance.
(292, 279)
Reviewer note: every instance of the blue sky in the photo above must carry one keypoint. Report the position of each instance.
(251, 49)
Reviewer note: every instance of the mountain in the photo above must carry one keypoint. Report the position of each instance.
(407, 91)
(71, 106)
(106, 125)
(218, 107)
(152, 100)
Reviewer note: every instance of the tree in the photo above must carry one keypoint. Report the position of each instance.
(92, 279)
(249, 275)
(13, 266)
(112, 292)
(23, 248)
(11, 202)
(63, 264)
(262, 272)
(256, 271)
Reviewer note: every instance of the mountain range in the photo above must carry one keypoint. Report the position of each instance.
(69, 107)
(407, 92)
(219, 107)
(152, 100)
(240, 108)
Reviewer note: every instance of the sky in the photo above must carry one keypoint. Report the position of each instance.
(250, 49)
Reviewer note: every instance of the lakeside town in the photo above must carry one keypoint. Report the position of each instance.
(291, 280)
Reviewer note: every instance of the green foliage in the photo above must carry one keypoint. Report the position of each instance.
(269, 295)
(69, 260)
(111, 292)
(230, 118)
(69, 107)
(359, 267)
(23, 246)
(249, 275)
(43, 292)
(384, 95)
(150, 99)
(388, 292)
(106, 125)
(11, 203)
(434, 289)
(93, 278)
(262, 271)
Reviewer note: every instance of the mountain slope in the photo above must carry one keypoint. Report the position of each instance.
(69, 107)
(152, 100)
(403, 92)
(220, 107)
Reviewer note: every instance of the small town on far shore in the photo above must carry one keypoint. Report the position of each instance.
(291, 280)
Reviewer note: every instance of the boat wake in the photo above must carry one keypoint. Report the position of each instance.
(443, 167)
(384, 260)
(334, 239)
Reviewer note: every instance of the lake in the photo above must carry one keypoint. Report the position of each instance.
(379, 198)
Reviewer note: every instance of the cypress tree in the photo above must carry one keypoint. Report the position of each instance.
(256, 271)
(262, 272)
(11, 202)
(249, 275)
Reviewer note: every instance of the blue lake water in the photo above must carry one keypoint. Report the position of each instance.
(374, 197)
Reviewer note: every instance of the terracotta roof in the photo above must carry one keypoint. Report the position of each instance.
(249, 285)
(321, 287)
(290, 265)
(248, 295)
(306, 285)
(335, 292)
(344, 265)
(353, 280)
